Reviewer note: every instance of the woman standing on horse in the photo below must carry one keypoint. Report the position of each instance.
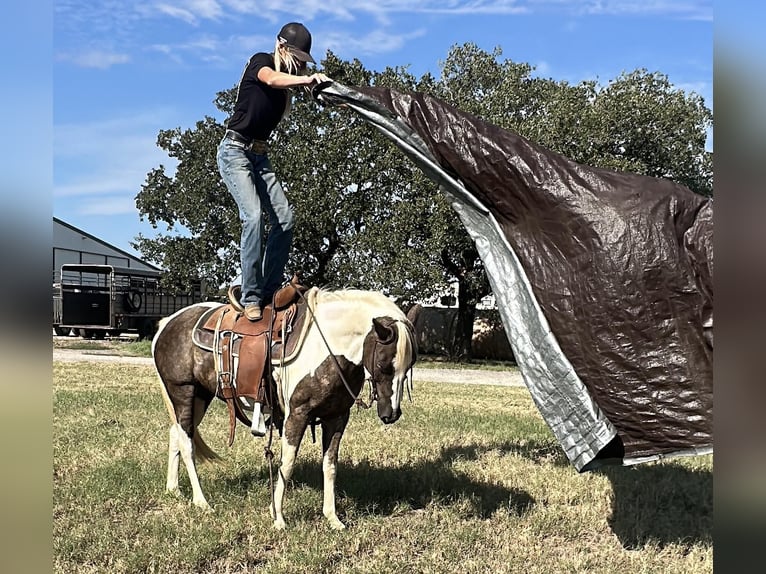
(263, 99)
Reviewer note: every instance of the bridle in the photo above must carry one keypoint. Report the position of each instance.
(374, 365)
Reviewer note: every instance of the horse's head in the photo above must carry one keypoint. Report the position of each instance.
(389, 353)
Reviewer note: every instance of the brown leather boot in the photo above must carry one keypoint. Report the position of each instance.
(253, 312)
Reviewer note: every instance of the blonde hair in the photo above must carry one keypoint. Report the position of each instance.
(285, 61)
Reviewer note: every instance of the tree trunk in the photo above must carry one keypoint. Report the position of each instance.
(466, 313)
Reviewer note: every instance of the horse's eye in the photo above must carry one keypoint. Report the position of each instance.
(385, 368)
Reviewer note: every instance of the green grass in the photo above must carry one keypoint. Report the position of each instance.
(111, 346)
(82, 345)
(439, 362)
(470, 480)
(138, 348)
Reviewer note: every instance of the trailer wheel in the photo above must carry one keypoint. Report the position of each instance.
(92, 333)
(61, 331)
(133, 300)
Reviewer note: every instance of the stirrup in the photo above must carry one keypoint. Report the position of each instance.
(258, 426)
(233, 295)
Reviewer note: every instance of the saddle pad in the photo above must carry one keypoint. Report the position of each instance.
(202, 337)
(285, 351)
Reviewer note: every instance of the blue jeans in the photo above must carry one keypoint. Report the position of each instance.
(251, 181)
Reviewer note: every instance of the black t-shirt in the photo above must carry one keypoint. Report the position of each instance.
(259, 107)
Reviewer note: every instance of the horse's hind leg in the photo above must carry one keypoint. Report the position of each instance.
(177, 437)
(174, 459)
(332, 431)
(190, 409)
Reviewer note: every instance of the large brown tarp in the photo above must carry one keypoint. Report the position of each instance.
(603, 279)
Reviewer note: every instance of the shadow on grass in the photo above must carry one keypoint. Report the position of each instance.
(537, 452)
(381, 490)
(661, 504)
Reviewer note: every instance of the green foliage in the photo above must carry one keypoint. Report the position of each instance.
(360, 206)
(643, 124)
(366, 217)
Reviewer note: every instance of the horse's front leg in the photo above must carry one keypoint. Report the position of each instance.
(332, 431)
(294, 428)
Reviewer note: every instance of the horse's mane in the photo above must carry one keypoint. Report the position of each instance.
(374, 299)
(381, 306)
(405, 346)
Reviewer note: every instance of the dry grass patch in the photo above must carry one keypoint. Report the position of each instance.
(469, 479)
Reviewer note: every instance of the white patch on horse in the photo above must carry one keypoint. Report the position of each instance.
(174, 455)
(289, 454)
(402, 360)
(329, 470)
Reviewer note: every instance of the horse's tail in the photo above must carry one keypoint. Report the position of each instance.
(167, 401)
(202, 452)
(165, 396)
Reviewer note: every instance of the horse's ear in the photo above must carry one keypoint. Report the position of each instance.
(384, 329)
(414, 313)
(413, 316)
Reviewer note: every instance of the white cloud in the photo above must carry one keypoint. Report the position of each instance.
(375, 42)
(81, 24)
(108, 206)
(543, 69)
(704, 89)
(688, 9)
(100, 166)
(214, 50)
(176, 12)
(106, 183)
(95, 59)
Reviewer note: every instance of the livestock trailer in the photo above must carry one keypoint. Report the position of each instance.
(99, 300)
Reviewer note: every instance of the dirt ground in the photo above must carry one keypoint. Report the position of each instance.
(506, 377)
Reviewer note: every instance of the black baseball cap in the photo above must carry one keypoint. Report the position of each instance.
(298, 39)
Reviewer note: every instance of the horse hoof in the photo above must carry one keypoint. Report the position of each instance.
(203, 505)
(336, 524)
(279, 524)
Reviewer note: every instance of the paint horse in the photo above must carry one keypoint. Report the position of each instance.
(353, 335)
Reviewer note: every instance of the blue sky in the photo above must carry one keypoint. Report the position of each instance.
(122, 71)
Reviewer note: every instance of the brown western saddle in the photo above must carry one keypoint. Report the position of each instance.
(244, 350)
